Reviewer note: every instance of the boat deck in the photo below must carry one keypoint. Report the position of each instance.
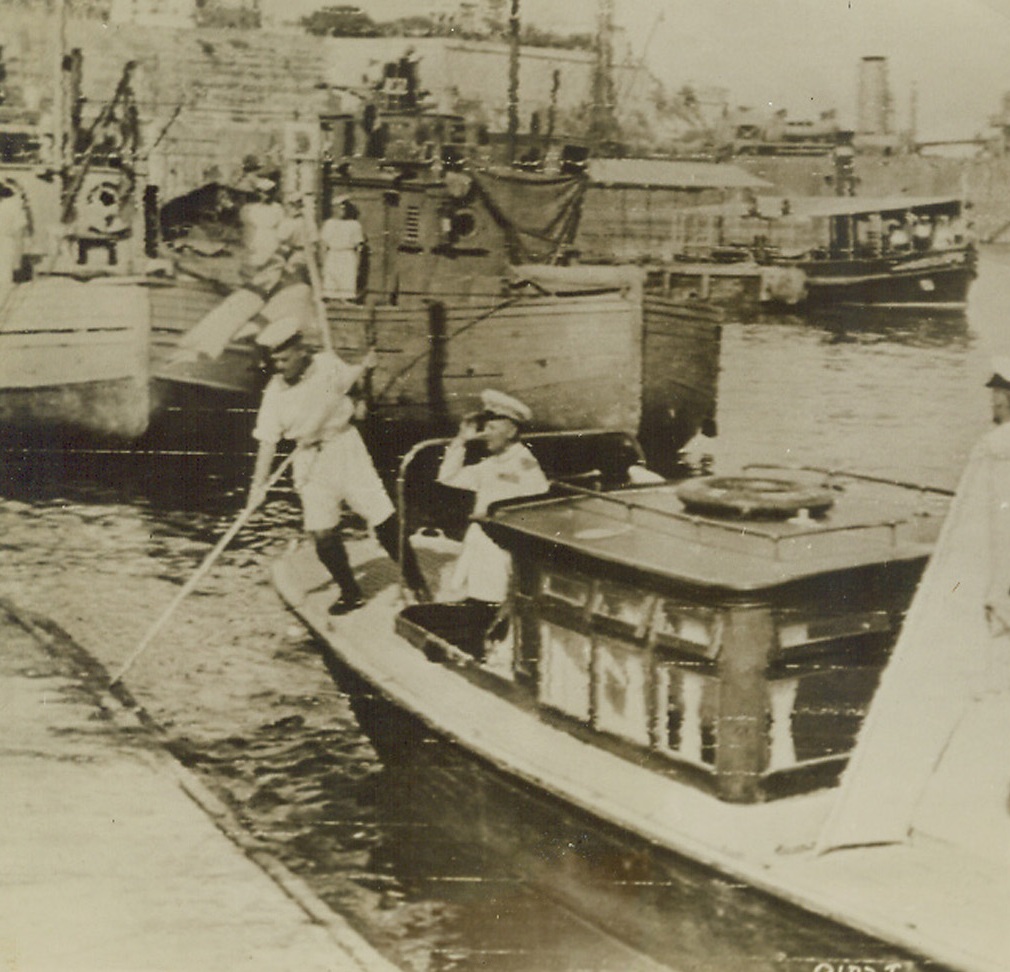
(904, 895)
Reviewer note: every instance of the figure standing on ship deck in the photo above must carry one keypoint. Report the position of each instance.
(509, 471)
(307, 400)
(343, 240)
(13, 228)
(273, 273)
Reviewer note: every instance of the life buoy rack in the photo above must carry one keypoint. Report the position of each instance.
(753, 497)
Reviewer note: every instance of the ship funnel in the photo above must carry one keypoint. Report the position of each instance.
(874, 109)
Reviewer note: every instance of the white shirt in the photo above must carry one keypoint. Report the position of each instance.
(265, 226)
(509, 474)
(484, 569)
(314, 408)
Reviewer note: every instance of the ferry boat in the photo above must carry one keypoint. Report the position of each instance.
(688, 666)
(835, 251)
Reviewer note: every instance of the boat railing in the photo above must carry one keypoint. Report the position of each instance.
(594, 469)
(832, 474)
(805, 537)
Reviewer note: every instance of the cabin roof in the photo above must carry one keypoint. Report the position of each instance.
(671, 174)
(649, 529)
(770, 207)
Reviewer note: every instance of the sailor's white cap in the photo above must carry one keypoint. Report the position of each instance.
(1000, 372)
(279, 333)
(499, 405)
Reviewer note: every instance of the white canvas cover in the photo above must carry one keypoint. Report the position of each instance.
(950, 663)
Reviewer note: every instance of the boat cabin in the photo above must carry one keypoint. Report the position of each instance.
(725, 632)
(820, 227)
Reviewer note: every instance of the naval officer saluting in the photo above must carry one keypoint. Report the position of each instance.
(508, 471)
(307, 400)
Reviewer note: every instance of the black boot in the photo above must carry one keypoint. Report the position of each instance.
(388, 534)
(332, 553)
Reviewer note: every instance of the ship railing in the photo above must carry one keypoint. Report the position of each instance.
(808, 537)
(832, 474)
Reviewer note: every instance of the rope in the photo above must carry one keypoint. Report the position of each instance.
(417, 359)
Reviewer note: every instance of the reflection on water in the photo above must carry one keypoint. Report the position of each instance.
(888, 393)
(443, 869)
(917, 329)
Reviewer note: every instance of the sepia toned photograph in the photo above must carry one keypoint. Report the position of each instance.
(504, 486)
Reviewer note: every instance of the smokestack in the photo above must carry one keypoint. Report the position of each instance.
(874, 108)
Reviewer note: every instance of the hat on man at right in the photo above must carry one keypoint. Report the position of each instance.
(1000, 373)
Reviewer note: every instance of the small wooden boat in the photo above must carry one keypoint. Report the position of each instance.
(689, 667)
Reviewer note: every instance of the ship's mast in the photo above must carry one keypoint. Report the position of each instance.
(513, 94)
(603, 125)
(59, 96)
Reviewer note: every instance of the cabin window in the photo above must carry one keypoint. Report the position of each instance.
(571, 590)
(412, 226)
(564, 670)
(686, 626)
(826, 711)
(620, 694)
(796, 631)
(687, 707)
(626, 605)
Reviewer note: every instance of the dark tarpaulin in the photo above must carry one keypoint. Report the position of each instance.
(538, 212)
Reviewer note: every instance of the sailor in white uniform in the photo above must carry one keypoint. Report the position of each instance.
(508, 471)
(343, 240)
(273, 277)
(307, 400)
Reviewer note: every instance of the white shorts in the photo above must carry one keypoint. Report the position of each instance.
(339, 471)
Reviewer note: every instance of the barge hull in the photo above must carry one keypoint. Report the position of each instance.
(73, 358)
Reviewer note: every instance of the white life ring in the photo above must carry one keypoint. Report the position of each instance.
(753, 497)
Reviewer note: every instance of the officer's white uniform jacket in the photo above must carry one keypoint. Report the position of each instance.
(483, 569)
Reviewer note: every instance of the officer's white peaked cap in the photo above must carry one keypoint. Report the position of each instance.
(501, 405)
(278, 333)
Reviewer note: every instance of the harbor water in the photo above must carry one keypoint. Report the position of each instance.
(99, 541)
